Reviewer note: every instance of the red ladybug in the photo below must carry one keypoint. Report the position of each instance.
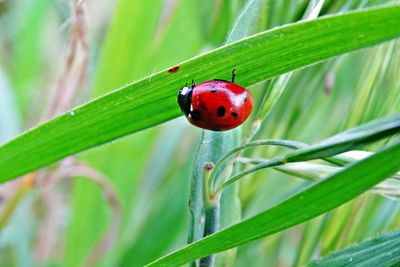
(217, 105)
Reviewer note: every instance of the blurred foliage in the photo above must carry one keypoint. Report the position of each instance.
(150, 170)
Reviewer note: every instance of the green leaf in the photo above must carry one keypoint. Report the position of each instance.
(310, 203)
(151, 101)
(350, 139)
(383, 250)
(344, 141)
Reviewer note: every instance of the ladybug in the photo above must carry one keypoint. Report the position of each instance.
(217, 105)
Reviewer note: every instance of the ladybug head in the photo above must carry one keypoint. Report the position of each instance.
(185, 99)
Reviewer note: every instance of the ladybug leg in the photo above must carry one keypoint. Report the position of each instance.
(233, 75)
(193, 84)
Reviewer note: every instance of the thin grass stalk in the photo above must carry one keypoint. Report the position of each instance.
(211, 226)
(213, 146)
(273, 142)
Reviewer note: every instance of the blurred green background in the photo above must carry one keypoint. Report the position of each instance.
(60, 222)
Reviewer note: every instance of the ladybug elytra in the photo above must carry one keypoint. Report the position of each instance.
(217, 105)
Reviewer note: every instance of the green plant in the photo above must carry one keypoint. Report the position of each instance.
(303, 91)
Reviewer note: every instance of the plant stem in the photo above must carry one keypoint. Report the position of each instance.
(275, 142)
(213, 145)
(270, 163)
(196, 223)
(211, 226)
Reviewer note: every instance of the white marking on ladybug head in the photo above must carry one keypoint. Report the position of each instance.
(185, 90)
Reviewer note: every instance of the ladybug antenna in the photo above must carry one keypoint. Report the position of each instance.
(233, 75)
(193, 84)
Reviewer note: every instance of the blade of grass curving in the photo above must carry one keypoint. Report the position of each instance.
(266, 142)
(382, 250)
(344, 141)
(310, 203)
(151, 101)
(348, 140)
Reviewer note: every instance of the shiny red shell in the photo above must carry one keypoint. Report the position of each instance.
(216, 105)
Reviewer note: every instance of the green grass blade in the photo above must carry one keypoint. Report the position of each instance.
(310, 203)
(383, 250)
(350, 139)
(345, 141)
(152, 100)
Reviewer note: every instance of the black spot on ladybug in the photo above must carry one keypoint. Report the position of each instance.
(234, 114)
(221, 111)
(173, 69)
(213, 89)
(196, 115)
